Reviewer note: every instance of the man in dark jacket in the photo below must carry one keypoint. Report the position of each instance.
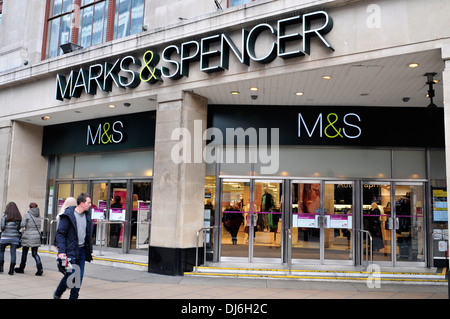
(74, 242)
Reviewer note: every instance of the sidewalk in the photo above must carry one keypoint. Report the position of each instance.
(109, 282)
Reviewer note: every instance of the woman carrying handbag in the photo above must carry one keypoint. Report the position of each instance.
(31, 237)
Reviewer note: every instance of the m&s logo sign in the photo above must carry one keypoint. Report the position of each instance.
(346, 126)
(105, 133)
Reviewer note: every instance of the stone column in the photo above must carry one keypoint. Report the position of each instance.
(446, 91)
(178, 187)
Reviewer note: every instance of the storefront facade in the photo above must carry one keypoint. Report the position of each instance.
(118, 179)
(275, 121)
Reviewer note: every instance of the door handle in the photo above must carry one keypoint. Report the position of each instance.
(253, 218)
(322, 221)
(319, 222)
(390, 223)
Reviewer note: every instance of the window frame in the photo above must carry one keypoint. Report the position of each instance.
(75, 30)
(228, 4)
(1, 11)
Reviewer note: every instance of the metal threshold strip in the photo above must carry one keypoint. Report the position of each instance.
(324, 275)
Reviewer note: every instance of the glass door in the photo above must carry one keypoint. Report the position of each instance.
(338, 221)
(141, 214)
(306, 212)
(63, 190)
(68, 189)
(408, 222)
(117, 213)
(99, 211)
(376, 206)
(236, 218)
(79, 187)
(268, 234)
(322, 221)
(251, 219)
(396, 229)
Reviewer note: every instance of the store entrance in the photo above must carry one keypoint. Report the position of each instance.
(310, 221)
(322, 221)
(121, 210)
(251, 218)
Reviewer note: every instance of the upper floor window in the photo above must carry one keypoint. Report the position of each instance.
(233, 3)
(1, 10)
(89, 22)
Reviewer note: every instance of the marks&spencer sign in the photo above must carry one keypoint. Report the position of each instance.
(106, 133)
(212, 53)
(337, 125)
(116, 133)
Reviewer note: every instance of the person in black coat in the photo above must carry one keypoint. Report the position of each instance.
(374, 226)
(232, 223)
(74, 242)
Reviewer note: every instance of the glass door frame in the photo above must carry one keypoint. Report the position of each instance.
(396, 262)
(252, 214)
(322, 221)
(392, 222)
(282, 216)
(219, 217)
(361, 247)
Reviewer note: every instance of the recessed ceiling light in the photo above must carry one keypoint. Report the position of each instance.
(45, 118)
(254, 89)
(326, 77)
(413, 65)
(111, 106)
(234, 92)
(299, 93)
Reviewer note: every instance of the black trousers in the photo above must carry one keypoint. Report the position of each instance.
(34, 253)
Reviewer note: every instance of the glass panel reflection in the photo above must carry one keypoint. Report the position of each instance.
(410, 222)
(338, 221)
(376, 218)
(305, 214)
(235, 218)
(267, 240)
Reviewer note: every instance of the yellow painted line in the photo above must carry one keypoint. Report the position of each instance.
(322, 271)
(103, 259)
(120, 261)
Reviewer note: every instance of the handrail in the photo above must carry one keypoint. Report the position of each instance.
(204, 246)
(289, 249)
(142, 222)
(44, 226)
(367, 249)
(51, 234)
(102, 222)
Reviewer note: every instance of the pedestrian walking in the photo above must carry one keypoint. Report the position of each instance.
(74, 242)
(10, 236)
(31, 238)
